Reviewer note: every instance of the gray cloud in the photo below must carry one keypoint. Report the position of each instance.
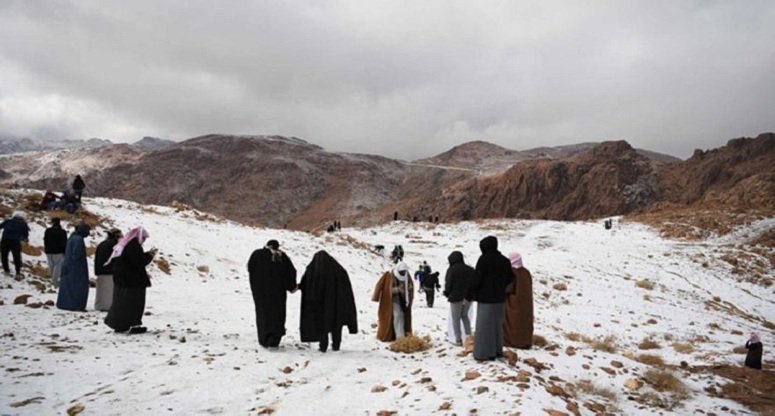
(398, 78)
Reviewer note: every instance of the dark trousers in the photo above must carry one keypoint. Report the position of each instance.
(15, 248)
(336, 340)
(429, 296)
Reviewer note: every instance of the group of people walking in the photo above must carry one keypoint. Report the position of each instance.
(327, 301)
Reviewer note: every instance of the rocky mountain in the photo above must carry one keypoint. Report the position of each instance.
(286, 182)
(12, 145)
(150, 144)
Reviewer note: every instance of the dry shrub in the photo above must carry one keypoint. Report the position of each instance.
(664, 380)
(644, 284)
(539, 341)
(683, 348)
(768, 325)
(203, 269)
(163, 265)
(740, 350)
(591, 389)
(560, 286)
(650, 359)
(649, 344)
(607, 344)
(573, 336)
(31, 250)
(37, 269)
(410, 344)
(737, 389)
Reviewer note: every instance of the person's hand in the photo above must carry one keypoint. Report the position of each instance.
(153, 251)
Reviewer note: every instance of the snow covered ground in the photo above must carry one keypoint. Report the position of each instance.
(201, 355)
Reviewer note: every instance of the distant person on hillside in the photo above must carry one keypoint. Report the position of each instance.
(429, 286)
(398, 254)
(518, 314)
(327, 302)
(493, 273)
(130, 280)
(103, 269)
(395, 293)
(754, 357)
(272, 275)
(54, 243)
(419, 275)
(74, 283)
(78, 186)
(15, 230)
(457, 284)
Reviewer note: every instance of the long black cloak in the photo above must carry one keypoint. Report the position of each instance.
(271, 275)
(327, 300)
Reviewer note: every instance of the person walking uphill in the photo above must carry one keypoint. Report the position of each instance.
(74, 283)
(15, 230)
(493, 273)
(54, 242)
(103, 269)
(518, 317)
(271, 275)
(130, 280)
(327, 302)
(395, 293)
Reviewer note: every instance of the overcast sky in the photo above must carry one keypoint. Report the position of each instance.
(404, 79)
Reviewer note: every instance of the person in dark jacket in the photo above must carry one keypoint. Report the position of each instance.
(78, 185)
(15, 230)
(74, 284)
(754, 357)
(130, 280)
(103, 269)
(429, 286)
(271, 275)
(457, 283)
(327, 302)
(54, 242)
(493, 273)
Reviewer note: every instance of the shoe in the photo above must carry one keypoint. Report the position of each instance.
(322, 349)
(335, 348)
(273, 348)
(138, 330)
(458, 343)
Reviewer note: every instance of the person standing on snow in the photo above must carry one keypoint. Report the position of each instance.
(15, 230)
(518, 313)
(54, 243)
(272, 275)
(493, 273)
(327, 302)
(457, 284)
(74, 283)
(103, 269)
(395, 293)
(130, 280)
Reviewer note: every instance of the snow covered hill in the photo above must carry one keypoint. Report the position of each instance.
(624, 319)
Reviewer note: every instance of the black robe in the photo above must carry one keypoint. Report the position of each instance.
(270, 278)
(327, 301)
(130, 280)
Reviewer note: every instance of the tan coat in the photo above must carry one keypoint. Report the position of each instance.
(383, 293)
(518, 310)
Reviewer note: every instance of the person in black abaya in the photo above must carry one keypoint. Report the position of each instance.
(130, 280)
(327, 302)
(271, 275)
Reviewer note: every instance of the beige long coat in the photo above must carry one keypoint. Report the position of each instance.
(383, 293)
